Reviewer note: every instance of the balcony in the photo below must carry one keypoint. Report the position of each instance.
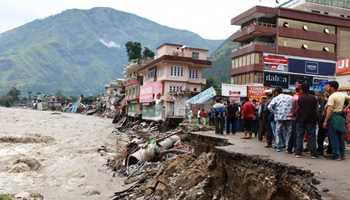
(254, 30)
(254, 47)
(247, 69)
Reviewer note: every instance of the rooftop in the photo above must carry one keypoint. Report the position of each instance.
(261, 11)
(181, 45)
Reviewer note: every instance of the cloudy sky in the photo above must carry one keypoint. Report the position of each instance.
(209, 18)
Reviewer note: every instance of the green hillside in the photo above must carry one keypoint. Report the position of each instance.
(79, 51)
(222, 62)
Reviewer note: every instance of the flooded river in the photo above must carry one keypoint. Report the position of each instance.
(62, 151)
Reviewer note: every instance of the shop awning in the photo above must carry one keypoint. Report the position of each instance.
(202, 97)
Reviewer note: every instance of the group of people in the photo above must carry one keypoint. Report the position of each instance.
(287, 121)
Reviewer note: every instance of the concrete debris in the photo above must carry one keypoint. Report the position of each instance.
(164, 166)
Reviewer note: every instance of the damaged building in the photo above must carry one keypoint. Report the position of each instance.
(158, 89)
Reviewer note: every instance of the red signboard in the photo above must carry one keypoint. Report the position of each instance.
(256, 92)
(149, 92)
(131, 82)
(343, 67)
(275, 62)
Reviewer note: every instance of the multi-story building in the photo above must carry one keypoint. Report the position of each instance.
(279, 46)
(166, 82)
(132, 89)
(338, 8)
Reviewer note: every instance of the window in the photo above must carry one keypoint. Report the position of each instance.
(194, 73)
(173, 88)
(152, 73)
(326, 31)
(286, 25)
(304, 46)
(177, 71)
(195, 55)
(305, 28)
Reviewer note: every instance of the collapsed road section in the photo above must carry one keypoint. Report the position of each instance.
(181, 165)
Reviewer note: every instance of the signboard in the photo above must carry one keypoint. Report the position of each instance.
(344, 82)
(318, 84)
(276, 80)
(304, 66)
(275, 62)
(343, 67)
(228, 90)
(256, 92)
(149, 92)
(302, 79)
(235, 96)
(202, 97)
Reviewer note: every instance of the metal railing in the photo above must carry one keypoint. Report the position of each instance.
(268, 44)
(264, 24)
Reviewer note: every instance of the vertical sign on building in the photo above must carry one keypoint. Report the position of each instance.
(343, 66)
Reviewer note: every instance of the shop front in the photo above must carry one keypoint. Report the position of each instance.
(150, 98)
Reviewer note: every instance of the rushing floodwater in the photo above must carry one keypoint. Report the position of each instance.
(71, 167)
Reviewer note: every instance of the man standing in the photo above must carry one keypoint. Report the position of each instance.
(262, 117)
(293, 139)
(231, 111)
(248, 113)
(281, 106)
(306, 121)
(335, 120)
(270, 129)
(219, 110)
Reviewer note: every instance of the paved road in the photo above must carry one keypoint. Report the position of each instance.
(334, 175)
(71, 166)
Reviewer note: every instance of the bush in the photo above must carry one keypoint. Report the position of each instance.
(5, 197)
(6, 101)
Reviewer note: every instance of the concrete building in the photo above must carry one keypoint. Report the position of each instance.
(132, 89)
(279, 46)
(166, 82)
(338, 8)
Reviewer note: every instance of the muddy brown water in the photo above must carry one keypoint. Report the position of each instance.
(71, 167)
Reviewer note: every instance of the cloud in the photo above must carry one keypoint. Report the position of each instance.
(110, 44)
(210, 19)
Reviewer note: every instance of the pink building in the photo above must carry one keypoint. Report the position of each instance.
(170, 79)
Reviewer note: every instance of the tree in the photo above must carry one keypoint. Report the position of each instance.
(14, 94)
(147, 53)
(134, 50)
(211, 82)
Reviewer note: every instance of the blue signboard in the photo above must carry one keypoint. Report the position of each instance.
(311, 67)
(276, 80)
(319, 84)
(202, 97)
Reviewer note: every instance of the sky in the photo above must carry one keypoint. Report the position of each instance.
(208, 18)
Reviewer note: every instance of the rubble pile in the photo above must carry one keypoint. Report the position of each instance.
(190, 127)
(163, 166)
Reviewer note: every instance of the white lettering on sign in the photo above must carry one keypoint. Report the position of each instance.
(343, 64)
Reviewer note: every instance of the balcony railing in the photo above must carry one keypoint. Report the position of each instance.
(269, 25)
(268, 44)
